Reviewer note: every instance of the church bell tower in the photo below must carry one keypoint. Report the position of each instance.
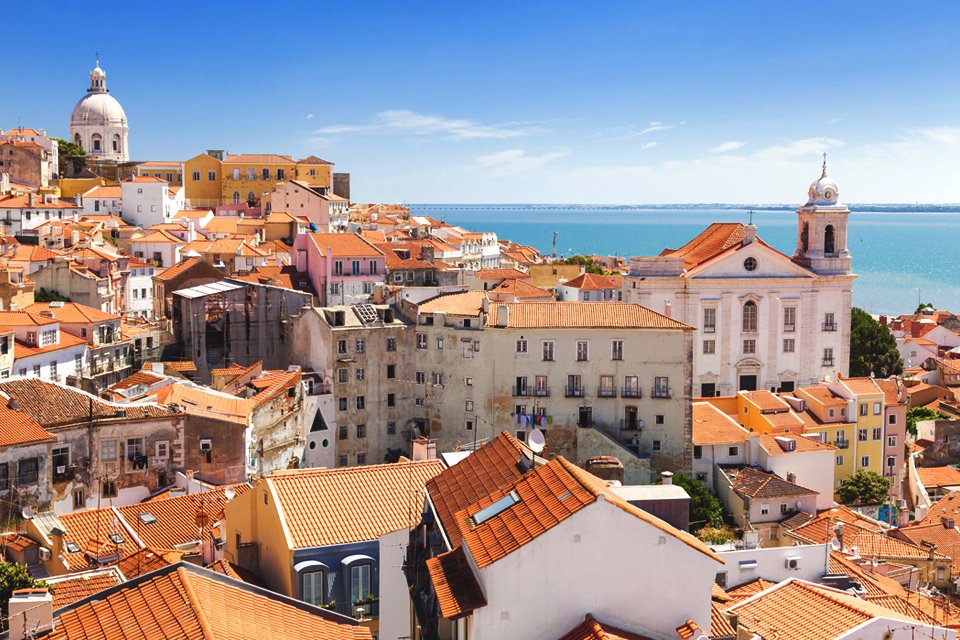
(822, 229)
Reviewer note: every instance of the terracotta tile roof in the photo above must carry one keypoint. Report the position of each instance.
(146, 560)
(183, 366)
(946, 538)
(18, 428)
(375, 236)
(797, 609)
(32, 253)
(592, 629)
(501, 274)
(144, 179)
(824, 396)
(181, 267)
(523, 290)
(948, 506)
(591, 282)
(749, 589)
(51, 405)
(802, 444)
(720, 627)
(869, 543)
(936, 477)
(754, 483)
(465, 303)
(891, 391)
(258, 158)
(70, 588)
(285, 276)
(204, 400)
(225, 568)
(188, 602)
(583, 315)
(347, 245)
(710, 242)
(23, 202)
(24, 319)
(546, 496)
(90, 529)
(457, 589)
(862, 386)
(17, 542)
(67, 341)
(272, 383)
(103, 192)
(712, 426)
(313, 160)
(138, 378)
(176, 518)
(71, 312)
(766, 401)
(158, 237)
(492, 466)
(323, 507)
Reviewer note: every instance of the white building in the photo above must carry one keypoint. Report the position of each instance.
(147, 201)
(138, 294)
(764, 320)
(98, 122)
(42, 349)
(102, 200)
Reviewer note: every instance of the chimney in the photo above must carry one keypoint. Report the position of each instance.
(31, 613)
(424, 449)
(749, 234)
(30, 199)
(668, 308)
(948, 523)
(503, 315)
(608, 468)
(666, 477)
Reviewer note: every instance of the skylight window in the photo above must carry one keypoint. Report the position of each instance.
(73, 547)
(147, 518)
(496, 508)
(115, 538)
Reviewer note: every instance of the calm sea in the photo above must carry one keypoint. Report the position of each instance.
(899, 257)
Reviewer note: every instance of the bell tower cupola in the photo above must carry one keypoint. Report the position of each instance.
(822, 228)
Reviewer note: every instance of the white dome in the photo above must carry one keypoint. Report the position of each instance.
(100, 110)
(823, 191)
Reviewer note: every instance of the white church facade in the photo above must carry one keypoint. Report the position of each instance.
(763, 320)
(98, 122)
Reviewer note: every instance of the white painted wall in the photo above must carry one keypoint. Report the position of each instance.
(771, 564)
(601, 560)
(891, 629)
(813, 469)
(394, 594)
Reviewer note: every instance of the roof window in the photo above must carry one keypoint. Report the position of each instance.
(116, 538)
(496, 508)
(72, 547)
(147, 518)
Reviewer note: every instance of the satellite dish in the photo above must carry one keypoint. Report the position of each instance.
(536, 441)
(27, 513)
(835, 544)
(229, 493)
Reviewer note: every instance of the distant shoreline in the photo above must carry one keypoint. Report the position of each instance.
(854, 208)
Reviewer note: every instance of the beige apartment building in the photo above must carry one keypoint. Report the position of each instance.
(617, 369)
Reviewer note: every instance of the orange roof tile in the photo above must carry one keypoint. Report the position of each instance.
(802, 444)
(948, 506)
(754, 483)
(592, 629)
(502, 274)
(765, 400)
(891, 391)
(712, 426)
(322, 507)
(17, 542)
(870, 543)
(523, 290)
(67, 341)
(591, 282)
(465, 303)
(862, 386)
(580, 315)
(146, 560)
(490, 467)
(258, 158)
(144, 179)
(946, 538)
(720, 626)
(188, 602)
(70, 588)
(103, 192)
(824, 396)
(158, 237)
(345, 245)
(90, 531)
(711, 241)
(17, 428)
(457, 589)
(71, 312)
(23, 202)
(935, 477)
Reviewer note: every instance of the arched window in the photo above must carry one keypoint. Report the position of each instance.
(749, 316)
(829, 241)
(97, 143)
(116, 143)
(236, 197)
(76, 140)
(805, 237)
(251, 198)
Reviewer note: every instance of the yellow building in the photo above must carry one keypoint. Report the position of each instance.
(215, 177)
(169, 171)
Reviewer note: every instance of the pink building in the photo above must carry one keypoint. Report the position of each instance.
(895, 432)
(343, 267)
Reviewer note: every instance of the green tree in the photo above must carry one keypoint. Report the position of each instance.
(926, 305)
(919, 414)
(863, 487)
(69, 148)
(14, 576)
(49, 296)
(392, 455)
(706, 510)
(589, 264)
(873, 349)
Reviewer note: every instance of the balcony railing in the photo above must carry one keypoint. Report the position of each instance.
(829, 326)
(710, 328)
(827, 362)
(661, 393)
(574, 392)
(631, 392)
(841, 444)
(606, 393)
(631, 424)
(521, 391)
(540, 392)
(789, 328)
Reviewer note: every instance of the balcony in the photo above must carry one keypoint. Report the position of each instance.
(631, 424)
(631, 392)
(842, 444)
(574, 392)
(829, 326)
(521, 391)
(540, 392)
(606, 393)
(827, 362)
(789, 328)
(661, 393)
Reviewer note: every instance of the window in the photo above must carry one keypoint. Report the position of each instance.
(749, 346)
(211, 176)
(361, 345)
(108, 489)
(789, 319)
(607, 387)
(583, 350)
(28, 471)
(878, 433)
(436, 378)
(108, 450)
(548, 350)
(312, 587)
(839, 461)
(421, 377)
(341, 347)
(877, 408)
(616, 350)
(280, 174)
(891, 441)
(829, 324)
(355, 267)
(162, 449)
(60, 460)
(656, 445)
(251, 173)
(891, 462)
(661, 387)
(749, 319)
(468, 406)
(764, 509)
(391, 399)
(750, 264)
(53, 370)
(360, 374)
(828, 357)
(342, 375)
(789, 345)
(733, 451)
(439, 343)
(48, 338)
(709, 346)
(359, 582)
(862, 435)
(709, 320)
(265, 174)
(892, 418)
(391, 428)
(863, 408)
(865, 461)
(391, 344)
(361, 403)
(391, 371)
(521, 346)
(468, 425)
(342, 461)
(783, 508)
(361, 458)
(79, 498)
(659, 418)
(338, 268)
(342, 432)
(335, 288)
(421, 341)
(361, 431)
(468, 381)
(342, 404)
(697, 452)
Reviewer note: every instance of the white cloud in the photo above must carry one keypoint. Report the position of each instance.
(726, 147)
(943, 135)
(404, 121)
(309, 116)
(517, 160)
(648, 145)
(797, 148)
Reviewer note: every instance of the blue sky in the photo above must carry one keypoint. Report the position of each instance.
(526, 102)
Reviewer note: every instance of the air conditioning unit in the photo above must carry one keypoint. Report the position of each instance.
(45, 554)
(792, 563)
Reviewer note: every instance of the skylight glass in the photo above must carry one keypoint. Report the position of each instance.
(496, 508)
(116, 538)
(73, 547)
(147, 518)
